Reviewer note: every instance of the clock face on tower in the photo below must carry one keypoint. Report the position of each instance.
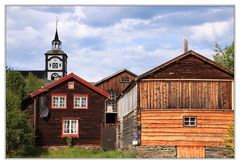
(55, 65)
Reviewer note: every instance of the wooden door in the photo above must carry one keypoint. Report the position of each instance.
(108, 138)
(190, 152)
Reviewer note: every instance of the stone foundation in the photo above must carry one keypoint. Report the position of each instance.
(217, 152)
(153, 151)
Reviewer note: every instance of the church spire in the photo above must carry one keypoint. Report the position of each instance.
(56, 43)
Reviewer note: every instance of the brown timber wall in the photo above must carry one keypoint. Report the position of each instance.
(115, 83)
(49, 131)
(185, 94)
(165, 127)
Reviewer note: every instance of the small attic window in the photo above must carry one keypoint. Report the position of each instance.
(71, 85)
(125, 80)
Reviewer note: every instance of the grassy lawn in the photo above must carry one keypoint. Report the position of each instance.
(72, 153)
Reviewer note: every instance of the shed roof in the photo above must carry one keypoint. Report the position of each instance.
(115, 74)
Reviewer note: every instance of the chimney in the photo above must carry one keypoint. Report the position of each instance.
(185, 45)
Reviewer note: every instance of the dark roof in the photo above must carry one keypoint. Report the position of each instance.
(71, 75)
(56, 38)
(190, 52)
(38, 73)
(115, 74)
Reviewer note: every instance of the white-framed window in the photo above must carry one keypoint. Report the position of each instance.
(190, 121)
(80, 102)
(70, 126)
(59, 101)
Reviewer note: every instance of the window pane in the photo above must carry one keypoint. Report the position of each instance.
(62, 101)
(83, 102)
(193, 119)
(192, 123)
(66, 126)
(55, 101)
(77, 102)
(73, 126)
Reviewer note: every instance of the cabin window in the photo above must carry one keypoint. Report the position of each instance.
(112, 94)
(125, 80)
(71, 85)
(59, 101)
(190, 121)
(80, 102)
(70, 128)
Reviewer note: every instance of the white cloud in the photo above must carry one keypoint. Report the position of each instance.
(123, 42)
(212, 31)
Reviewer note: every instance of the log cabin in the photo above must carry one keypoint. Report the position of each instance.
(185, 105)
(68, 107)
(114, 85)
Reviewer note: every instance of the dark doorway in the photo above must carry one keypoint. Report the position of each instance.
(111, 118)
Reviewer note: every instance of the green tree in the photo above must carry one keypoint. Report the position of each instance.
(15, 82)
(19, 135)
(32, 83)
(225, 56)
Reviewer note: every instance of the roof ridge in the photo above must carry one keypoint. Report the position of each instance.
(114, 74)
(62, 79)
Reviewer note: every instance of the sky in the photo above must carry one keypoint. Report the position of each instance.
(101, 40)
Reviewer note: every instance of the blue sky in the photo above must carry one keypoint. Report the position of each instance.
(101, 40)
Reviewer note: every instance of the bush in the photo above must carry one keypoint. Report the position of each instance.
(229, 140)
(69, 141)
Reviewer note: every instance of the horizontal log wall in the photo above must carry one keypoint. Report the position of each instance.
(164, 127)
(184, 94)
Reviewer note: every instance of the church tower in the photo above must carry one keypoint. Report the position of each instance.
(55, 60)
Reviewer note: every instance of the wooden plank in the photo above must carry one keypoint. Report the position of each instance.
(201, 80)
(190, 152)
(188, 130)
(180, 143)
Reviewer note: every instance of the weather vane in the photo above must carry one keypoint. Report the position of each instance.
(56, 22)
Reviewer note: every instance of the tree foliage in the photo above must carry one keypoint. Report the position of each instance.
(32, 83)
(225, 56)
(19, 134)
(15, 82)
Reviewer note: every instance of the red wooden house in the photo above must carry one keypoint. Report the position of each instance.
(71, 107)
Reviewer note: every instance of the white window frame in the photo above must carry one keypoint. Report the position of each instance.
(57, 101)
(70, 126)
(80, 102)
(187, 121)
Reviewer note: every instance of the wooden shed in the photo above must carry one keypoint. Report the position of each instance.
(68, 107)
(187, 103)
(114, 84)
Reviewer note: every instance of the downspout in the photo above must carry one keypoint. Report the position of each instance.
(34, 118)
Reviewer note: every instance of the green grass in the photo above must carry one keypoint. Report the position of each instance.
(72, 153)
